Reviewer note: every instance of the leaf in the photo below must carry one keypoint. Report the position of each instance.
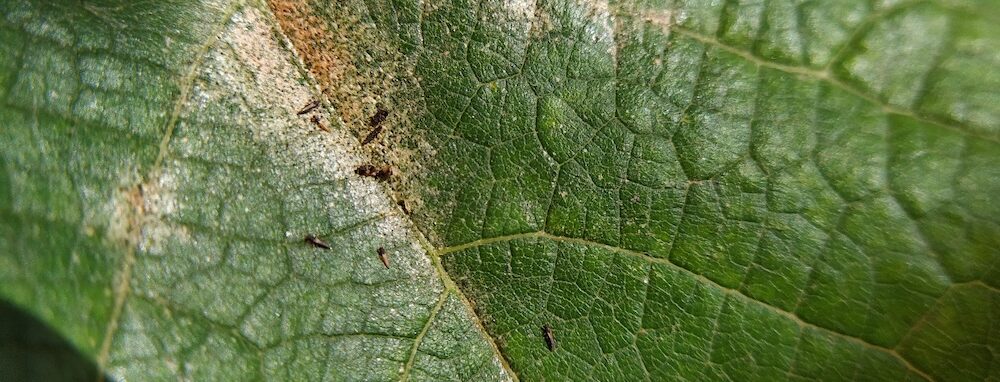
(157, 185)
(679, 190)
(711, 191)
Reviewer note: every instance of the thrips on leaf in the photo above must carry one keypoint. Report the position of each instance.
(378, 117)
(309, 107)
(381, 174)
(319, 123)
(316, 242)
(384, 257)
(375, 122)
(550, 339)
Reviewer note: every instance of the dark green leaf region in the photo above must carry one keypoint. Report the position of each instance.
(720, 191)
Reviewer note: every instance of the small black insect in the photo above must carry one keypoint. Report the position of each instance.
(372, 135)
(384, 257)
(550, 339)
(378, 117)
(379, 173)
(309, 107)
(316, 242)
(319, 123)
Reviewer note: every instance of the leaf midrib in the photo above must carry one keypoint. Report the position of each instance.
(124, 273)
(452, 250)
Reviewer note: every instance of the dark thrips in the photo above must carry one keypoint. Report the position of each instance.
(316, 242)
(384, 257)
(371, 136)
(550, 339)
(380, 174)
(319, 123)
(378, 117)
(309, 107)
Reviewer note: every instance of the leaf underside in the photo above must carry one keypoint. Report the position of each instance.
(679, 190)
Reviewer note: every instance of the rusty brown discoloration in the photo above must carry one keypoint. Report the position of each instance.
(329, 50)
(363, 74)
(384, 257)
(137, 199)
(316, 242)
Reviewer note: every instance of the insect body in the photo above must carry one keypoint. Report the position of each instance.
(371, 136)
(319, 123)
(316, 242)
(309, 107)
(375, 122)
(378, 117)
(384, 257)
(381, 174)
(550, 339)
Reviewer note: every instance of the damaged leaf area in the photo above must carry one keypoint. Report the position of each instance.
(497, 190)
(163, 192)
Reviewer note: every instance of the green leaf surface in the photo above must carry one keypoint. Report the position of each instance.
(680, 190)
(704, 191)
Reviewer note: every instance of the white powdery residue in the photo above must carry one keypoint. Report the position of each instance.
(601, 26)
(521, 10)
(163, 201)
(274, 95)
(159, 200)
(680, 17)
(663, 18)
(503, 371)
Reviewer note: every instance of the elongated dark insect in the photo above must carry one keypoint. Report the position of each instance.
(371, 136)
(376, 122)
(309, 107)
(384, 257)
(402, 205)
(378, 117)
(550, 339)
(316, 242)
(319, 123)
(379, 173)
